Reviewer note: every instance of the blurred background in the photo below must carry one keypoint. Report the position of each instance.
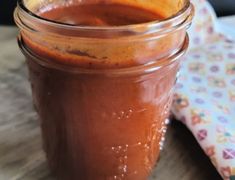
(222, 7)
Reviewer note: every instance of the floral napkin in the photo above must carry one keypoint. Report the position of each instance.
(205, 92)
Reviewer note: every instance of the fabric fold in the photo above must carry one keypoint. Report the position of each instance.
(205, 92)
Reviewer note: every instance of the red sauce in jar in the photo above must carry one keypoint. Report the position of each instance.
(96, 126)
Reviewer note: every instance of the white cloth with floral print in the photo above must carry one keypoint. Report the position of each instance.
(205, 92)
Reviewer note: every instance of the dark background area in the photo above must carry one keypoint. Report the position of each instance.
(222, 7)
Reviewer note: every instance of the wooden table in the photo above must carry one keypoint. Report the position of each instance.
(21, 155)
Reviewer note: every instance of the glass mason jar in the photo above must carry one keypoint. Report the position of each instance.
(103, 93)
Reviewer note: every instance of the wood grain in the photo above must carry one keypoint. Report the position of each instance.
(21, 155)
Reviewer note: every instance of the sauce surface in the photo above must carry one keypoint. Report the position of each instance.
(100, 54)
(99, 15)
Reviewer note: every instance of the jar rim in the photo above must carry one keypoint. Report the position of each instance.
(182, 19)
(144, 68)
